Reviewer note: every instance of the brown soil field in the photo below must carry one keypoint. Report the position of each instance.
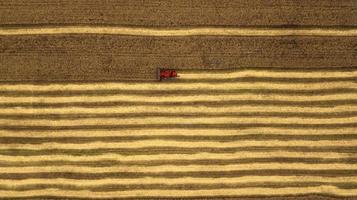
(113, 57)
(265, 105)
(171, 13)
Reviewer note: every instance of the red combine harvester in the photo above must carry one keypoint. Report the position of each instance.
(165, 74)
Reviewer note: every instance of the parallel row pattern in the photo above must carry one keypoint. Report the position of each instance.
(209, 133)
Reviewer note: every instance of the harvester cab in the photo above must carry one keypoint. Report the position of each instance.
(167, 74)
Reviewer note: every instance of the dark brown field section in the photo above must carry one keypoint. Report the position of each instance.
(111, 57)
(171, 13)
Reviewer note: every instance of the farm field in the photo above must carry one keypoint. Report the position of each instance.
(264, 105)
(222, 132)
